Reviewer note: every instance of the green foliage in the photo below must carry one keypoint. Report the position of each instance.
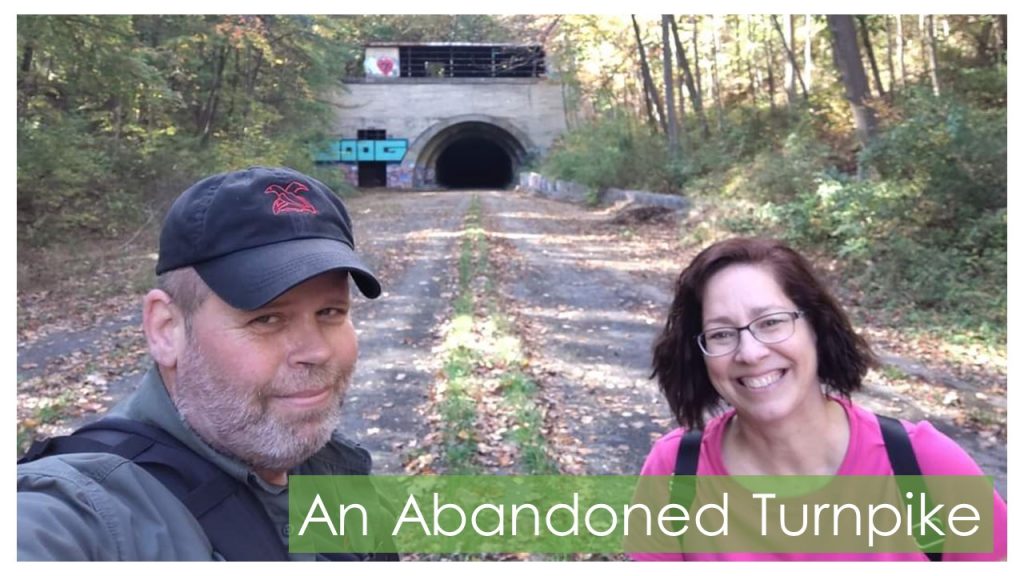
(955, 153)
(120, 112)
(982, 87)
(930, 231)
(615, 152)
(925, 234)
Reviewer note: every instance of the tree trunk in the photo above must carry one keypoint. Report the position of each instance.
(212, 100)
(670, 100)
(792, 68)
(982, 39)
(1001, 33)
(928, 36)
(648, 104)
(808, 57)
(26, 87)
(851, 70)
(695, 97)
(649, 88)
(751, 76)
(888, 54)
(117, 117)
(684, 137)
(789, 72)
(865, 36)
(901, 50)
(26, 58)
(696, 57)
(715, 83)
(769, 56)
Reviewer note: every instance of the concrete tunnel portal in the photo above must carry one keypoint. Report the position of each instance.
(473, 155)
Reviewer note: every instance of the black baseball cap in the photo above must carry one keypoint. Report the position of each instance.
(256, 233)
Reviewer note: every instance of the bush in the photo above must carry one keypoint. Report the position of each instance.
(956, 153)
(883, 233)
(612, 152)
(63, 177)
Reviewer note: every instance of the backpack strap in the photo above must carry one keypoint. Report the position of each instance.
(232, 516)
(908, 477)
(689, 453)
(897, 447)
(683, 489)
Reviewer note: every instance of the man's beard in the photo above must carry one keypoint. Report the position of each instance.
(241, 422)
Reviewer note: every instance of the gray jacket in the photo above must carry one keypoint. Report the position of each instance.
(103, 507)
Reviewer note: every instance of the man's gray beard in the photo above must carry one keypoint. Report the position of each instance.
(240, 423)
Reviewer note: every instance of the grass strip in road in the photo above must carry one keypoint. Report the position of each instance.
(460, 389)
(520, 391)
(485, 386)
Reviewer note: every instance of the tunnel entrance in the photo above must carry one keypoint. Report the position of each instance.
(474, 162)
(470, 152)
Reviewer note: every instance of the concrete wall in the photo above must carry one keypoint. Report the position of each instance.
(576, 193)
(408, 107)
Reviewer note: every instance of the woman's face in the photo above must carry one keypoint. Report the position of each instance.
(764, 382)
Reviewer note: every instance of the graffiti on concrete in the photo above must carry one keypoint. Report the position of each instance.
(399, 176)
(381, 62)
(351, 173)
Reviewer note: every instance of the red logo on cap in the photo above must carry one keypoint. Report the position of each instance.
(288, 199)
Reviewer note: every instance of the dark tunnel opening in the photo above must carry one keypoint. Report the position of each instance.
(474, 162)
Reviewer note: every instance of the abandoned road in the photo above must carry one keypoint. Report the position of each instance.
(587, 294)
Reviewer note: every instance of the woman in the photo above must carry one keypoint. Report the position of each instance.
(752, 327)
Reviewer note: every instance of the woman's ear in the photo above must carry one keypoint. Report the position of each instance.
(164, 325)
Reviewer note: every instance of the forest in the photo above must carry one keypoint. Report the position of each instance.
(876, 141)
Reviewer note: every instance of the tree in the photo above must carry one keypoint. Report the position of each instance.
(888, 54)
(792, 68)
(927, 25)
(865, 35)
(901, 49)
(695, 95)
(1001, 33)
(769, 56)
(716, 47)
(114, 108)
(696, 57)
(851, 69)
(808, 57)
(650, 92)
(670, 101)
(751, 76)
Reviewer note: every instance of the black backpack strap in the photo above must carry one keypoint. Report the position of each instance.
(908, 472)
(126, 447)
(897, 445)
(684, 485)
(232, 516)
(689, 453)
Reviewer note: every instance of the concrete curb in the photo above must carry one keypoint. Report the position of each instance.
(575, 193)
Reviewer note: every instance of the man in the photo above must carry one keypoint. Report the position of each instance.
(253, 350)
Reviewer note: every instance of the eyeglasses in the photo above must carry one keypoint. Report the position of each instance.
(768, 329)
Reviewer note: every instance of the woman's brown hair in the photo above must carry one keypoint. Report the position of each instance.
(844, 357)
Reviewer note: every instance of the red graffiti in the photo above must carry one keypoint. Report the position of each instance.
(385, 65)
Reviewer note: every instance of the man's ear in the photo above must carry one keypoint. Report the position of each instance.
(164, 325)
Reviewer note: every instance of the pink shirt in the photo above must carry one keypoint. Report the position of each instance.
(937, 455)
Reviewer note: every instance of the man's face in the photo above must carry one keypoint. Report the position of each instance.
(266, 386)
